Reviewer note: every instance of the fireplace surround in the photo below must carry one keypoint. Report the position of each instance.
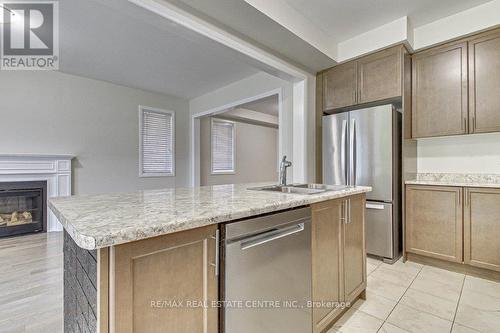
(54, 170)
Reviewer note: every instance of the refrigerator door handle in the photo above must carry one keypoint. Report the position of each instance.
(345, 146)
(353, 160)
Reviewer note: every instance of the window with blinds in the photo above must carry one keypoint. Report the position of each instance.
(157, 157)
(222, 139)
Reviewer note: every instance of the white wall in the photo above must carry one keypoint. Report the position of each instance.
(56, 113)
(478, 153)
(256, 154)
(253, 86)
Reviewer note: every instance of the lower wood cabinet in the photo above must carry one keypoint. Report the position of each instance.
(146, 274)
(482, 228)
(437, 215)
(434, 222)
(338, 256)
(326, 260)
(354, 254)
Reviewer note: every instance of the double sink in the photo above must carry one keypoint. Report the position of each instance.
(301, 188)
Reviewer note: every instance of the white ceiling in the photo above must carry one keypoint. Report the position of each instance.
(344, 19)
(248, 23)
(118, 42)
(268, 105)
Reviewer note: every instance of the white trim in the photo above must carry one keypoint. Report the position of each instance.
(225, 172)
(195, 128)
(143, 108)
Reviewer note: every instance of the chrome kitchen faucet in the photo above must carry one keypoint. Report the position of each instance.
(283, 166)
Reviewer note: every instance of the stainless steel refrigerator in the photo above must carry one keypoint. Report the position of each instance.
(363, 147)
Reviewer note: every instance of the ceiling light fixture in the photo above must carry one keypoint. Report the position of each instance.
(4, 10)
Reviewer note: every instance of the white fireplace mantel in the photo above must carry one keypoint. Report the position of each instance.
(55, 169)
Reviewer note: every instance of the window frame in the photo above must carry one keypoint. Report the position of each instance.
(142, 174)
(222, 172)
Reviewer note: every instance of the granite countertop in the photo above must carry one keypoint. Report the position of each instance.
(456, 179)
(97, 221)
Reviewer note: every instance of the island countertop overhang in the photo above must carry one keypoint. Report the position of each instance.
(103, 220)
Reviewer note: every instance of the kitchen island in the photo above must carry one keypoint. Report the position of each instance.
(133, 260)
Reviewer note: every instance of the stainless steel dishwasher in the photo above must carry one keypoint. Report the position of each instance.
(267, 274)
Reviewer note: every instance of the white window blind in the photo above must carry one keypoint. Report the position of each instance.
(222, 146)
(157, 142)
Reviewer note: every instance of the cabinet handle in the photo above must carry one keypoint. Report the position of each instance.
(216, 264)
(464, 124)
(348, 211)
(473, 124)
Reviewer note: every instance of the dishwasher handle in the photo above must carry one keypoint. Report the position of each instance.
(271, 236)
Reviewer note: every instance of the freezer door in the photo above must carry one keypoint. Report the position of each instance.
(379, 229)
(371, 140)
(335, 149)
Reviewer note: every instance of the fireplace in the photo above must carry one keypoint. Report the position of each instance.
(23, 207)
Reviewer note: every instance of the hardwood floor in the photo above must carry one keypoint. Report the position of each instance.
(31, 283)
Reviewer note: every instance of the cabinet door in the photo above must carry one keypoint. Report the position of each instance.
(339, 86)
(482, 228)
(326, 261)
(147, 274)
(379, 75)
(484, 83)
(434, 221)
(439, 91)
(354, 254)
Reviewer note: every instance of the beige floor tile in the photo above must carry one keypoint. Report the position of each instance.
(355, 321)
(407, 267)
(416, 321)
(395, 276)
(481, 320)
(375, 305)
(482, 286)
(370, 268)
(390, 328)
(436, 306)
(462, 329)
(385, 288)
(429, 285)
(373, 261)
(480, 301)
(442, 275)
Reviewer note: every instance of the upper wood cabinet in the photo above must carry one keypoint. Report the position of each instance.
(434, 222)
(166, 268)
(484, 83)
(482, 228)
(456, 87)
(338, 256)
(379, 75)
(339, 86)
(368, 79)
(439, 91)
